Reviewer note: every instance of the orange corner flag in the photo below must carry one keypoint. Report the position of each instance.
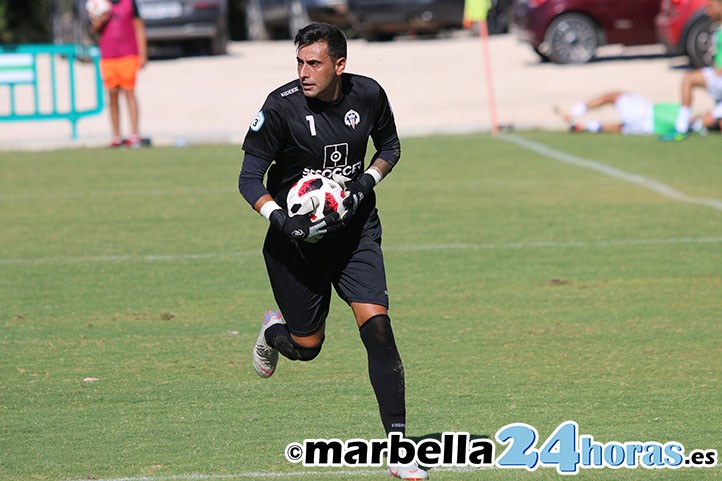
(475, 11)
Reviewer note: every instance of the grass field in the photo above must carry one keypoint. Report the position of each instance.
(523, 289)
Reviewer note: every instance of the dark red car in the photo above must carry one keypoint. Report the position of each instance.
(570, 31)
(684, 28)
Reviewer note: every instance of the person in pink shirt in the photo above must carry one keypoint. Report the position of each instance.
(123, 51)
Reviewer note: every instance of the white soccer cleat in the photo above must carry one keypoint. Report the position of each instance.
(265, 357)
(412, 472)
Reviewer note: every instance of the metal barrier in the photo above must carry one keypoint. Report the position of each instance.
(20, 70)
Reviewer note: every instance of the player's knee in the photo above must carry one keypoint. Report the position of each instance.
(378, 338)
(280, 338)
(377, 330)
(303, 353)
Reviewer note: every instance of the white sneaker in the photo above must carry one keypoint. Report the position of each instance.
(412, 472)
(265, 357)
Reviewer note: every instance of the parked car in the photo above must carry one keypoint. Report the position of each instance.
(570, 31)
(684, 28)
(199, 25)
(274, 19)
(385, 19)
(370, 19)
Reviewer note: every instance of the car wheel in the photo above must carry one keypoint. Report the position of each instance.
(297, 17)
(571, 38)
(255, 25)
(698, 44)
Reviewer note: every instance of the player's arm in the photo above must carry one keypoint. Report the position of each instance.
(379, 168)
(357, 190)
(250, 184)
(382, 166)
(140, 36)
(98, 24)
(388, 153)
(386, 140)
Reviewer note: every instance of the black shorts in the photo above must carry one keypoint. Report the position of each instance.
(302, 274)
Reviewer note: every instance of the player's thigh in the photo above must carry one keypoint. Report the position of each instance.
(362, 278)
(131, 65)
(110, 73)
(363, 312)
(302, 289)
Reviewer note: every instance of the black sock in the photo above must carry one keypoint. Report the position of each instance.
(386, 372)
(279, 337)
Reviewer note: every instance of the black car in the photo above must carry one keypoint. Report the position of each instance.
(384, 19)
(370, 19)
(274, 19)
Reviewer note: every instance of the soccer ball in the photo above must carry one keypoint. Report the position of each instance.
(96, 8)
(316, 195)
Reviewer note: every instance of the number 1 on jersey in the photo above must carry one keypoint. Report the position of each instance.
(311, 125)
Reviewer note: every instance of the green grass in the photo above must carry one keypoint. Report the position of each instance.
(522, 290)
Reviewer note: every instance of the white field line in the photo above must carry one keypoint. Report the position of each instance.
(111, 194)
(401, 248)
(646, 182)
(302, 474)
(360, 472)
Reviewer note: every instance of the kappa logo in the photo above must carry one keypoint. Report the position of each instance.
(352, 119)
(258, 121)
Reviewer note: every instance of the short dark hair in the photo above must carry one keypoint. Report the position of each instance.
(323, 32)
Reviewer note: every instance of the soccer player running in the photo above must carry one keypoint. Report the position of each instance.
(320, 123)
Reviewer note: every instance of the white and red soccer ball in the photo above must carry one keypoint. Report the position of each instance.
(316, 195)
(96, 8)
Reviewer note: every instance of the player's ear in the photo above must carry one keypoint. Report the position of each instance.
(340, 65)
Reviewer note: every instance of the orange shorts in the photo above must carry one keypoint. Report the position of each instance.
(120, 72)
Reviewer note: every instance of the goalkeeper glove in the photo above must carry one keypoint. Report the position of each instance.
(302, 227)
(356, 192)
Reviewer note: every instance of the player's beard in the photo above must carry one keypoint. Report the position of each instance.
(324, 93)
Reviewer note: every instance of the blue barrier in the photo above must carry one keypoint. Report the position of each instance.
(19, 68)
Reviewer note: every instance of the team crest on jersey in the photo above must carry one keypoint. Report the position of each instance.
(352, 119)
(258, 121)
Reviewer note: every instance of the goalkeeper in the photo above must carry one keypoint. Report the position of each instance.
(320, 123)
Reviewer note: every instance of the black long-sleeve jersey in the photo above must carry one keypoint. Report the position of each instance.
(298, 136)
